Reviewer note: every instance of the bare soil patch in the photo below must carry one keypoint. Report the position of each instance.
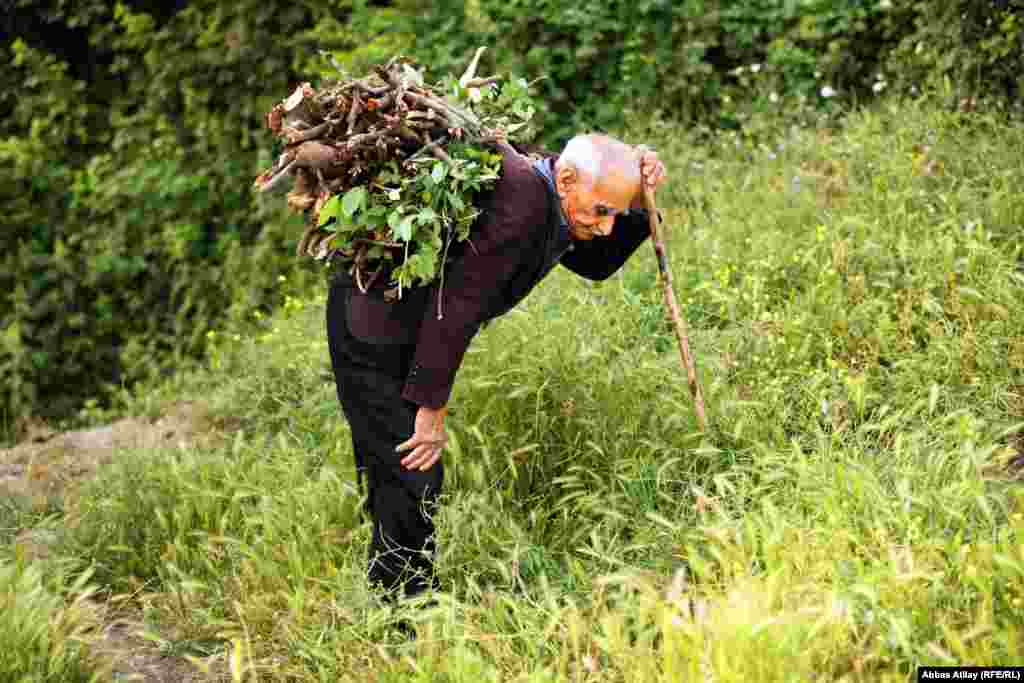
(48, 465)
(46, 468)
(133, 657)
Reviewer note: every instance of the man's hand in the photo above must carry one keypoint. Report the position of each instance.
(428, 440)
(652, 174)
(651, 168)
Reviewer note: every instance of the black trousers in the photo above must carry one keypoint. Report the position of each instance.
(399, 502)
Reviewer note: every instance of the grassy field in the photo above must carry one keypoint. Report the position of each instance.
(856, 304)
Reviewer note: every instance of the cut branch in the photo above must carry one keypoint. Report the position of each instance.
(440, 154)
(361, 140)
(369, 89)
(481, 82)
(452, 113)
(295, 137)
(300, 248)
(470, 72)
(427, 149)
(277, 181)
(316, 155)
(357, 108)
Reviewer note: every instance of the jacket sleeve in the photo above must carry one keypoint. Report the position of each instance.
(504, 245)
(601, 257)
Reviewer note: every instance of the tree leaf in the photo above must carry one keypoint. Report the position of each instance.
(427, 216)
(404, 229)
(341, 240)
(375, 215)
(353, 200)
(423, 264)
(439, 171)
(394, 218)
(329, 210)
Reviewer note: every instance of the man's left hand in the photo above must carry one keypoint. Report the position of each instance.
(652, 170)
(428, 440)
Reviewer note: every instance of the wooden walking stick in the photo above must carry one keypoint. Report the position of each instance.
(673, 307)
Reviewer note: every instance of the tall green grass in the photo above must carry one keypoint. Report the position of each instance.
(45, 624)
(856, 311)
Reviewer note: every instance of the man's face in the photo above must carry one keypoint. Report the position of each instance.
(591, 207)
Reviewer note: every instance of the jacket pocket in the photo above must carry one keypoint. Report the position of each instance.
(373, 320)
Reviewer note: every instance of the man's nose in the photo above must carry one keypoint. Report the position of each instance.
(604, 227)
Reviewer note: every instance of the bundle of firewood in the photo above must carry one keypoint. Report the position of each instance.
(354, 132)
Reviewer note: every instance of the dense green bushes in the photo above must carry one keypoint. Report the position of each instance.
(602, 63)
(129, 135)
(130, 229)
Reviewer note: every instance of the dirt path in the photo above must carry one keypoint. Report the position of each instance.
(44, 470)
(49, 464)
(135, 658)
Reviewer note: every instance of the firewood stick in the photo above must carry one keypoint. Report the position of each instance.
(295, 137)
(673, 308)
(481, 82)
(470, 72)
(277, 181)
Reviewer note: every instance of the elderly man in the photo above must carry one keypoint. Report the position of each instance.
(395, 363)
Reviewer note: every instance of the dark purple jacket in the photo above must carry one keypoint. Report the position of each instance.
(518, 237)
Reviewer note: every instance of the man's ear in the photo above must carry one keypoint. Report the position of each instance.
(565, 178)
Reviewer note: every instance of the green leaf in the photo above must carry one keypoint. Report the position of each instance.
(341, 240)
(375, 214)
(439, 172)
(423, 264)
(329, 210)
(434, 240)
(404, 229)
(353, 200)
(427, 216)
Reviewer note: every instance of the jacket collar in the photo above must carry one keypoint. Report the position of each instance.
(546, 169)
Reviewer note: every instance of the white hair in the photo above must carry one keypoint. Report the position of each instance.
(582, 154)
(594, 154)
